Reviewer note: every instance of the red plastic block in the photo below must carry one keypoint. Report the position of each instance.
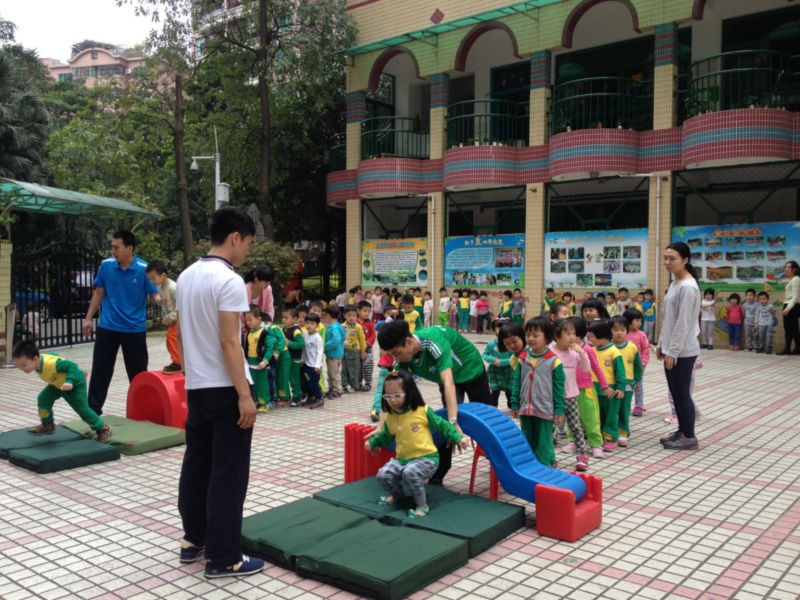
(358, 463)
(494, 484)
(159, 398)
(559, 517)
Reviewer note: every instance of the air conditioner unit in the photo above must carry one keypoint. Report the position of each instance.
(128, 71)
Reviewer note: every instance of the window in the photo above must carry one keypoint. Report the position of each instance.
(94, 54)
(65, 76)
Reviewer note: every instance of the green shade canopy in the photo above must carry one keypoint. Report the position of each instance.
(434, 30)
(33, 197)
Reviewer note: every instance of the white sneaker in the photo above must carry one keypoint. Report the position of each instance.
(672, 419)
(569, 448)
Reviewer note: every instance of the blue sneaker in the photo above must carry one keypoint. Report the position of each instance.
(191, 553)
(246, 566)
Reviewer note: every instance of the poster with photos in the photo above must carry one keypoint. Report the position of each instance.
(596, 259)
(738, 257)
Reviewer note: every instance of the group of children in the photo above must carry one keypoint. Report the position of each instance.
(755, 318)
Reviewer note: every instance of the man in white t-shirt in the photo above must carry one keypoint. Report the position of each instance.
(219, 427)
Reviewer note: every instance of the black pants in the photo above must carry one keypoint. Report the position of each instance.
(679, 379)
(484, 318)
(106, 346)
(478, 391)
(790, 328)
(215, 473)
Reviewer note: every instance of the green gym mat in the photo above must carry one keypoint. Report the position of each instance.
(480, 521)
(58, 456)
(134, 437)
(382, 561)
(21, 438)
(280, 534)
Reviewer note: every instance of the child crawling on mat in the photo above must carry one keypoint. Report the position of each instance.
(65, 380)
(409, 421)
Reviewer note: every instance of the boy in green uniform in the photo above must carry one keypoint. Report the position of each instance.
(295, 342)
(65, 380)
(255, 349)
(410, 313)
(443, 356)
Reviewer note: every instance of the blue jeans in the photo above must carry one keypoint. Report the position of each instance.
(734, 334)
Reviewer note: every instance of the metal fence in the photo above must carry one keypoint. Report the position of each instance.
(392, 136)
(484, 122)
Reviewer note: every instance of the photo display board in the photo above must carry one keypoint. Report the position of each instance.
(394, 263)
(490, 261)
(737, 257)
(596, 259)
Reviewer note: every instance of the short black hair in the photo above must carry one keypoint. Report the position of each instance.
(509, 329)
(734, 296)
(560, 325)
(313, 317)
(407, 299)
(364, 304)
(156, 265)
(632, 313)
(600, 329)
(261, 272)
(619, 320)
(765, 294)
(507, 293)
(600, 295)
(595, 303)
(622, 289)
(393, 334)
(333, 311)
(542, 324)
(556, 305)
(580, 326)
(292, 312)
(748, 290)
(228, 220)
(126, 236)
(649, 291)
(565, 294)
(349, 308)
(413, 395)
(26, 348)
(548, 290)
(315, 303)
(302, 308)
(255, 311)
(708, 291)
(442, 289)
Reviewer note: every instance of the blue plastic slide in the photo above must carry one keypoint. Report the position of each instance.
(510, 454)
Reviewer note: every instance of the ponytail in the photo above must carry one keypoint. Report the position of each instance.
(685, 252)
(692, 270)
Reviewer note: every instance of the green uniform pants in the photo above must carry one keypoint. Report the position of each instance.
(351, 363)
(589, 410)
(609, 416)
(443, 318)
(76, 398)
(260, 383)
(295, 381)
(283, 367)
(623, 421)
(518, 319)
(539, 433)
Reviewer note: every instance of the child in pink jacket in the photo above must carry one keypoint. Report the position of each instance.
(639, 338)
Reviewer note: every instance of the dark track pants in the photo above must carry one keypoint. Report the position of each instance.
(106, 346)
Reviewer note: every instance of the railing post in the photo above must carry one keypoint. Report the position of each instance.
(356, 113)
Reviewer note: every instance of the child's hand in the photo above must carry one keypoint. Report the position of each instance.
(367, 446)
(66, 387)
(262, 364)
(577, 348)
(514, 413)
(608, 392)
(496, 362)
(275, 356)
(462, 443)
(558, 419)
(620, 394)
(364, 357)
(164, 321)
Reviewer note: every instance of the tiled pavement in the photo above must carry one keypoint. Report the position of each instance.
(723, 522)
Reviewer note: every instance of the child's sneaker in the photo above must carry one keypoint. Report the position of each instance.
(315, 403)
(609, 446)
(637, 411)
(246, 566)
(597, 452)
(622, 441)
(583, 463)
(172, 369)
(375, 415)
(103, 434)
(345, 389)
(568, 448)
(42, 429)
(191, 553)
(294, 402)
(263, 408)
(366, 388)
(671, 420)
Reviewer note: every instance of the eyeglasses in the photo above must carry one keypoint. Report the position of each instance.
(390, 397)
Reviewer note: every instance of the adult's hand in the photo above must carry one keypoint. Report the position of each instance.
(659, 355)
(669, 361)
(247, 411)
(87, 328)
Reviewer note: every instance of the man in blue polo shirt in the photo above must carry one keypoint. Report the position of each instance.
(121, 287)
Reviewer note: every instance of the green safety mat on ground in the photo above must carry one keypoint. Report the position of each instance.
(134, 437)
(21, 438)
(382, 561)
(49, 458)
(480, 521)
(280, 534)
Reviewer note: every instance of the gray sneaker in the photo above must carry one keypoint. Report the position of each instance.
(681, 443)
(671, 437)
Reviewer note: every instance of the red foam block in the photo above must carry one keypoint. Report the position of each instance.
(159, 398)
(559, 517)
(358, 462)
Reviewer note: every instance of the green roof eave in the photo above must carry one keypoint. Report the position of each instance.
(33, 197)
(434, 30)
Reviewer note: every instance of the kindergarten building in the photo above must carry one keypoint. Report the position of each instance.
(565, 143)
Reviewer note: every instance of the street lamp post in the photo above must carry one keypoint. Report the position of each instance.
(221, 190)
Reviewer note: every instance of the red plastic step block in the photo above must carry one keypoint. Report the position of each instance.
(159, 398)
(559, 517)
(358, 462)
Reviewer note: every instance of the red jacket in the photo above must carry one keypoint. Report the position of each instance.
(369, 332)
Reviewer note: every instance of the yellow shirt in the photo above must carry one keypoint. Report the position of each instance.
(463, 303)
(252, 342)
(49, 373)
(607, 356)
(418, 301)
(416, 439)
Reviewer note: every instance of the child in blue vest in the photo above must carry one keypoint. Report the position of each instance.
(64, 380)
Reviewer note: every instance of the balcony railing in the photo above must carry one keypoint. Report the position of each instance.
(487, 121)
(741, 79)
(337, 154)
(602, 102)
(401, 137)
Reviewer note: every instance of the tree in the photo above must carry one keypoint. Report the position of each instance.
(271, 41)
